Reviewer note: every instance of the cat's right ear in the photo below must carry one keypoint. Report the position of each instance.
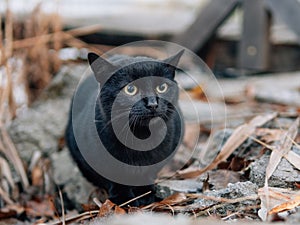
(101, 67)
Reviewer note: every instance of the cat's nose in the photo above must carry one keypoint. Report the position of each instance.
(152, 103)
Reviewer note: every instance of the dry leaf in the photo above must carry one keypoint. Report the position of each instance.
(294, 159)
(119, 211)
(239, 135)
(37, 209)
(279, 151)
(174, 199)
(278, 199)
(7, 213)
(106, 208)
(198, 93)
(89, 207)
(269, 135)
(286, 206)
(283, 148)
(221, 178)
(37, 176)
(6, 172)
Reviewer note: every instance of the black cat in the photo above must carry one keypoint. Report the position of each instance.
(141, 90)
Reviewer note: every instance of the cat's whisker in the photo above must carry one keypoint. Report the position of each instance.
(135, 120)
(112, 120)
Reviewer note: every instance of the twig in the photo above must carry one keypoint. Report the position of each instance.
(5, 197)
(28, 42)
(224, 200)
(97, 202)
(8, 33)
(261, 143)
(85, 215)
(131, 200)
(75, 42)
(62, 207)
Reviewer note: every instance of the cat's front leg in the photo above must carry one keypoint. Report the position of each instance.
(120, 194)
(147, 199)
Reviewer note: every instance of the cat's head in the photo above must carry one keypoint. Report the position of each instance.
(144, 86)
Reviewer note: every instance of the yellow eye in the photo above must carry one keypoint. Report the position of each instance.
(162, 88)
(130, 89)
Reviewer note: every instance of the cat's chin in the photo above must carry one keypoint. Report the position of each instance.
(150, 116)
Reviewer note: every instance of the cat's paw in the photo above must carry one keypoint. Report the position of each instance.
(146, 200)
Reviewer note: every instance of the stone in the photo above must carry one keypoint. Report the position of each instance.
(39, 127)
(169, 187)
(284, 176)
(233, 191)
(67, 175)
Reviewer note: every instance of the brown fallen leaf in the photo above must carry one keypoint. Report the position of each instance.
(119, 211)
(239, 135)
(221, 178)
(198, 93)
(174, 199)
(269, 135)
(7, 213)
(39, 208)
(89, 207)
(106, 209)
(37, 176)
(286, 206)
(282, 149)
(109, 208)
(278, 199)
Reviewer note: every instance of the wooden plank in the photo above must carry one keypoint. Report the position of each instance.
(255, 43)
(289, 12)
(206, 24)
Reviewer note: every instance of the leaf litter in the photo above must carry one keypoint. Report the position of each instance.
(37, 201)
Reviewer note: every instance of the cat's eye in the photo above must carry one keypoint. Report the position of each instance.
(130, 89)
(162, 88)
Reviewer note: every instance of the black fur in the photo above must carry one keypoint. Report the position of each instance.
(140, 116)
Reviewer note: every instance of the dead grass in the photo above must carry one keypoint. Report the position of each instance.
(38, 64)
(29, 57)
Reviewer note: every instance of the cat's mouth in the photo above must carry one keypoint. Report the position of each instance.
(149, 115)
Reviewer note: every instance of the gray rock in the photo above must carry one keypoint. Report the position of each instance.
(233, 191)
(284, 176)
(67, 174)
(169, 187)
(39, 127)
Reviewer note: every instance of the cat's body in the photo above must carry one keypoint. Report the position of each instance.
(144, 100)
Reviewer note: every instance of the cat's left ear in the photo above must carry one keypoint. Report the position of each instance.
(102, 68)
(173, 61)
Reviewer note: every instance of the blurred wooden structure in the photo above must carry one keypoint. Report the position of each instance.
(254, 46)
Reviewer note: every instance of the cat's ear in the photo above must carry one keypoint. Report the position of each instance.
(101, 67)
(174, 60)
